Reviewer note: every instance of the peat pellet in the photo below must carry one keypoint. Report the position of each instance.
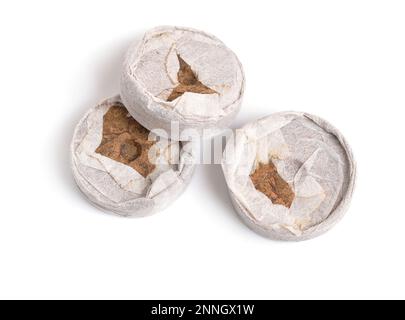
(183, 81)
(123, 168)
(290, 175)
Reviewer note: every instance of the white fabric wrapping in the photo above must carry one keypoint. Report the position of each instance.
(150, 74)
(309, 154)
(119, 188)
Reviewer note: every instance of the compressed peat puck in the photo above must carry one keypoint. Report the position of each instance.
(290, 175)
(123, 168)
(182, 81)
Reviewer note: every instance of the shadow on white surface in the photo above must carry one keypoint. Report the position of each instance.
(217, 186)
(251, 113)
(217, 189)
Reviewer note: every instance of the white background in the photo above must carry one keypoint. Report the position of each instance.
(341, 60)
